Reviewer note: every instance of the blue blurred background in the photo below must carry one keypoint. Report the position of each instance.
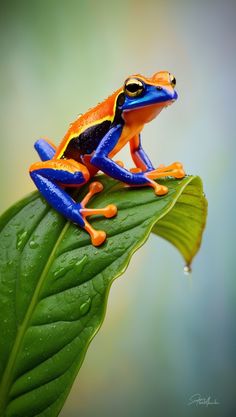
(166, 336)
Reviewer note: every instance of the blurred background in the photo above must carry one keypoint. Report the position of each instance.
(166, 336)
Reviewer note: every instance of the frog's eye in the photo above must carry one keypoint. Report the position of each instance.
(172, 80)
(133, 87)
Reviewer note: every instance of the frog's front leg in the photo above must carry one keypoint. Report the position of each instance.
(143, 163)
(102, 161)
(139, 156)
(45, 148)
(50, 176)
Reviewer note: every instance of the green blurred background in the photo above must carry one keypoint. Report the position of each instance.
(166, 336)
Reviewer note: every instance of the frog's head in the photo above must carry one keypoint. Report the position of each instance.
(148, 96)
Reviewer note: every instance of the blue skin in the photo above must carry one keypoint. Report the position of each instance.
(150, 95)
(143, 156)
(54, 194)
(47, 179)
(44, 149)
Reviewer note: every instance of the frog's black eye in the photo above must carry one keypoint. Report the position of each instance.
(133, 87)
(172, 80)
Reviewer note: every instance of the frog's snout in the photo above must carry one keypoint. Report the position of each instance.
(168, 92)
(175, 95)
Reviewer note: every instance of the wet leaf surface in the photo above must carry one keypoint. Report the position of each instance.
(54, 284)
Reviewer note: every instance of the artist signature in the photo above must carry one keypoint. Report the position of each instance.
(199, 400)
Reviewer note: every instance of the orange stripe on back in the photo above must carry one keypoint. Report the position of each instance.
(103, 111)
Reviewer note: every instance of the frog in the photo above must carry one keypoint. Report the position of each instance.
(94, 139)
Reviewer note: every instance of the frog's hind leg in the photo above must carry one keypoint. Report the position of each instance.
(51, 176)
(97, 236)
(45, 148)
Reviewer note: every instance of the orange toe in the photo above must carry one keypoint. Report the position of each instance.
(110, 211)
(98, 237)
(178, 165)
(178, 173)
(161, 190)
(95, 187)
(120, 163)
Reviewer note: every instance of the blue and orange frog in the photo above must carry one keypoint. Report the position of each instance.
(94, 139)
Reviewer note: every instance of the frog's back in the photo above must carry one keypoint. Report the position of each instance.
(98, 117)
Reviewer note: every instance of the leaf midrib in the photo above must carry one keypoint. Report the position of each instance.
(7, 375)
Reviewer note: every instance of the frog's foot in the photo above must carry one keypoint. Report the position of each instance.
(120, 163)
(135, 170)
(97, 236)
(174, 170)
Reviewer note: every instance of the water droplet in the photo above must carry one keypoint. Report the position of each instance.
(76, 267)
(59, 272)
(20, 239)
(33, 244)
(72, 261)
(85, 306)
(81, 263)
(187, 270)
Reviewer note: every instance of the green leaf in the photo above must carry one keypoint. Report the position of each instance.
(54, 284)
(184, 224)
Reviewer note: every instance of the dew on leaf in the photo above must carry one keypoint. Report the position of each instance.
(76, 267)
(59, 272)
(33, 244)
(81, 262)
(85, 306)
(20, 239)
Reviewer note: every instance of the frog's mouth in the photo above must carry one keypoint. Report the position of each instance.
(142, 107)
(169, 102)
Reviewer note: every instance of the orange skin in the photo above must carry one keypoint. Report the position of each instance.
(134, 119)
(75, 168)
